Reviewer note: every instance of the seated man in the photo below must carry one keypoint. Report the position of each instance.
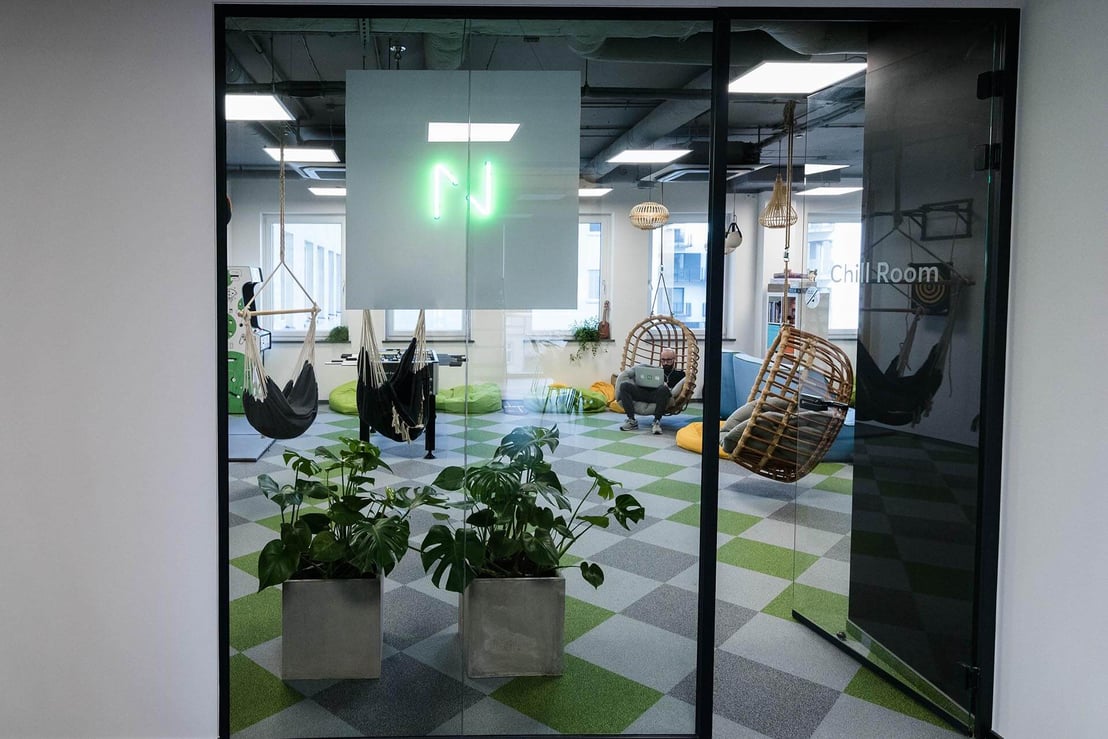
(629, 390)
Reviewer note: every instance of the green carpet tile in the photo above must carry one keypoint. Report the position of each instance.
(729, 522)
(582, 617)
(255, 619)
(822, 607)
(869, 686)
(256, 693)
(646, 467)
(765, 558)
(676, 489)
(835, 485)
(586, 699)
(626, 449)
(478, 435)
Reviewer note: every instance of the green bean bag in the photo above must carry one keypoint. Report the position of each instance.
(344, 398)
(481, 398)
(558, 398)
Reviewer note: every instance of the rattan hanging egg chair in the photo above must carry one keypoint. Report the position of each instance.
(796, 408)
(802, 392)
(644, 345)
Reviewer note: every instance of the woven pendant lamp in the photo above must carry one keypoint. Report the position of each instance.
(779, 213)
(649, 215)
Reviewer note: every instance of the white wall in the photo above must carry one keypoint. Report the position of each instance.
(108, 597)
(109, 607)
(1053, 596)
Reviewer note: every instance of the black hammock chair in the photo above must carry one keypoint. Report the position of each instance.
(395, 406)
(276, 412)
(895, 399)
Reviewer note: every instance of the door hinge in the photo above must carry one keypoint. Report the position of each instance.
(973, 675)
(990, 84)
(987, 156)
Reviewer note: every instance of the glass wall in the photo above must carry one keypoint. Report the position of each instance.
(461, 145)
(522, 557)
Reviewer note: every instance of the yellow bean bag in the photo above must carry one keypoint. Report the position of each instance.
(691, 437)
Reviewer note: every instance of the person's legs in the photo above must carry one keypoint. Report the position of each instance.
(626, 398)
(628, 393)
(660, 398)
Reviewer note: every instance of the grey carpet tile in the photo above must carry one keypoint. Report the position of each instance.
(648, 560)
(813, 518)
(233, 519)
(409, 699)
(775, 703)
(841, 551)
(675, 609)
(409, 570)
(238, 489)
(410, 616)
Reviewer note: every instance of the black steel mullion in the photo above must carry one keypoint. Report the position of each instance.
(221, 381)
(998, 264)
(713, 350)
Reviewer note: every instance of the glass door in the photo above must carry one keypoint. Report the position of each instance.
(906, 486)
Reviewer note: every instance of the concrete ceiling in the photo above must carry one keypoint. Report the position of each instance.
(643, 84)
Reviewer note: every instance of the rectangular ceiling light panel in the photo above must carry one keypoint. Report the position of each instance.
(830, 191)
(648, 156)
(593, 192)
(328, 192)
(254, 108)
(811, 169)
(794, 78)
(302, 154)
(438, 131)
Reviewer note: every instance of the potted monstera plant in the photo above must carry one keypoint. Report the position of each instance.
(338, 539)
(506, 557)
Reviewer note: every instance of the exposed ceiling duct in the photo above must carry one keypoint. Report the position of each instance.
(641, 109)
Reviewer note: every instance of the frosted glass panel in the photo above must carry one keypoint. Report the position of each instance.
(422, 213)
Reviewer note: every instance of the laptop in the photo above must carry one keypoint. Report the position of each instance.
(649, 376)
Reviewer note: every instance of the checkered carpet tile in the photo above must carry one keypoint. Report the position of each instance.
(630, 645)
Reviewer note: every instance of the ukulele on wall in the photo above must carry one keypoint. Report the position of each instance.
(604, 329)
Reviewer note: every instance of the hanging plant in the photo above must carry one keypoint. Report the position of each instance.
(587, 335)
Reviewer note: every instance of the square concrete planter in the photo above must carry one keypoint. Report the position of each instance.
(513, 626)
(331, 629)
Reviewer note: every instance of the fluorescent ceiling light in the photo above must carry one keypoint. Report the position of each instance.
(830, 191)
(648, 156)
(810, 169)
(328, 192)
(302, 154)
(254, 108)
(789, 78)
(485, 132)
(593, 192)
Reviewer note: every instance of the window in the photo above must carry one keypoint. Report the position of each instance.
(592, 280)
(684, 259)
(834, 252)
(311, 241)
(437, 324)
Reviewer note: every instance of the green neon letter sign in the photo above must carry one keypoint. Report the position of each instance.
(438, 174)
(484, 207)
(441, 175)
